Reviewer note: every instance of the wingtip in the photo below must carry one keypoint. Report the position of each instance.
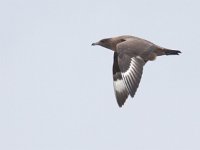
(120, 105)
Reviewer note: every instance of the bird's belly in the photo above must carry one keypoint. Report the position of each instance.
(152, 56)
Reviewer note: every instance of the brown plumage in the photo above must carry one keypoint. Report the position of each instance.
(130, 55)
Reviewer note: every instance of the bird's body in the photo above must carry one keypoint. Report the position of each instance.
(130, 55)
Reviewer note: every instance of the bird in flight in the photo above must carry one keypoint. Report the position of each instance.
(130, 55)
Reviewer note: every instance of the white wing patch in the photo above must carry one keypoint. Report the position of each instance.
(119, 86)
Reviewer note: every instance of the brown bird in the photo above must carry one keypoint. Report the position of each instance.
(130, 55)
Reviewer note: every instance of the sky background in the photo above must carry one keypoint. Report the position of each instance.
(56, 90)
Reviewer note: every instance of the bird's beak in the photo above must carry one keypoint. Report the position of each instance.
(97, 43)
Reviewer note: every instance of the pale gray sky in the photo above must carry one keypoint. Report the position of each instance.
(56, 91)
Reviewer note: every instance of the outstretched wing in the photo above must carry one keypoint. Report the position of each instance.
(131, 62)
(120, 89)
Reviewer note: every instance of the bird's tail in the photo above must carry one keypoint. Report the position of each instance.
(171, 52)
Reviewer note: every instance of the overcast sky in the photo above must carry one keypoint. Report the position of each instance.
(56, 90)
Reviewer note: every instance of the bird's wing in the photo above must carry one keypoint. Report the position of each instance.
(120, 89)
(131, 66)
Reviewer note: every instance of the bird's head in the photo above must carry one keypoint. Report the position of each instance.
(104, 42)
